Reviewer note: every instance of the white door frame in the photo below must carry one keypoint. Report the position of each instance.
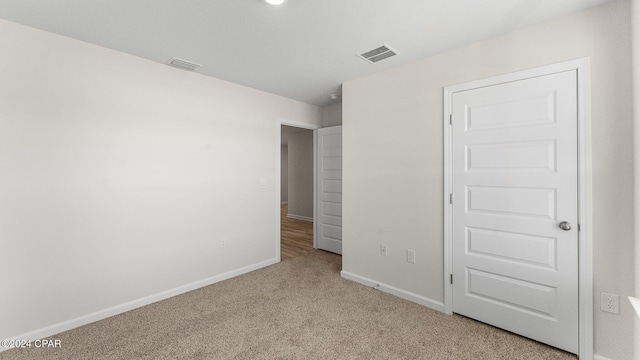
(279, 123)
(585, 252)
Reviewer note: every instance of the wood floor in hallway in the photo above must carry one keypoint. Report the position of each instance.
(296, 236)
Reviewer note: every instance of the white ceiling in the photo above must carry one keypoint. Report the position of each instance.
(303, 49)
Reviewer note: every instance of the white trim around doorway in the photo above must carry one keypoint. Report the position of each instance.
(585, 268)
(279, 124)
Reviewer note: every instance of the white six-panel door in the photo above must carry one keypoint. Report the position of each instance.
(515, 211)
(328, 226)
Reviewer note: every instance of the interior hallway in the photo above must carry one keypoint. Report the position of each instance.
(296, 236)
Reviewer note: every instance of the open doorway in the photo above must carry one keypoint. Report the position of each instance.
(296, 202)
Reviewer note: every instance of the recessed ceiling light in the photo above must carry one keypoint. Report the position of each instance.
(274, 2)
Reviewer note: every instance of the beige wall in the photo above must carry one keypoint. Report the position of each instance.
(332, 115)
(121, 176)
(284, 174)
(635, 35)
(393, 158)
(301, 174)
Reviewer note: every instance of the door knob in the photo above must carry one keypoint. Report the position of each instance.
(565, 225)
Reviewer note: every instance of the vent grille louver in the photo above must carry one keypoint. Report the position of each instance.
(183, 64)
(377, 54)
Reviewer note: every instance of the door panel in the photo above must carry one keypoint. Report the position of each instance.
(329, 189)
(515, 179)
(533, 155)
(525, 296)
(524, 249)
(511, 201)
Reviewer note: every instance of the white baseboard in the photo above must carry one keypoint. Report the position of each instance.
(298, 217)
(134, 304)
(418, 299)
(600, 357)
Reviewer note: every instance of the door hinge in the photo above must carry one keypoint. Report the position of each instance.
(451, 278)
(450, 198)
(578, 227)
(450, 119)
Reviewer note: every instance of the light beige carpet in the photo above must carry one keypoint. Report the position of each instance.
(297, 309)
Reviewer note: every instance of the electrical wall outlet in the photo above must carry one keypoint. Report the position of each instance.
(383, 249)
(610, 303)
(223, 243)
(411, 256)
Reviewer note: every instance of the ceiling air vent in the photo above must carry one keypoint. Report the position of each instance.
(375, 55)
(183, 64)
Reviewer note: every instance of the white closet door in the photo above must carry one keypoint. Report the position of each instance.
(329, 189)
(515, 233)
